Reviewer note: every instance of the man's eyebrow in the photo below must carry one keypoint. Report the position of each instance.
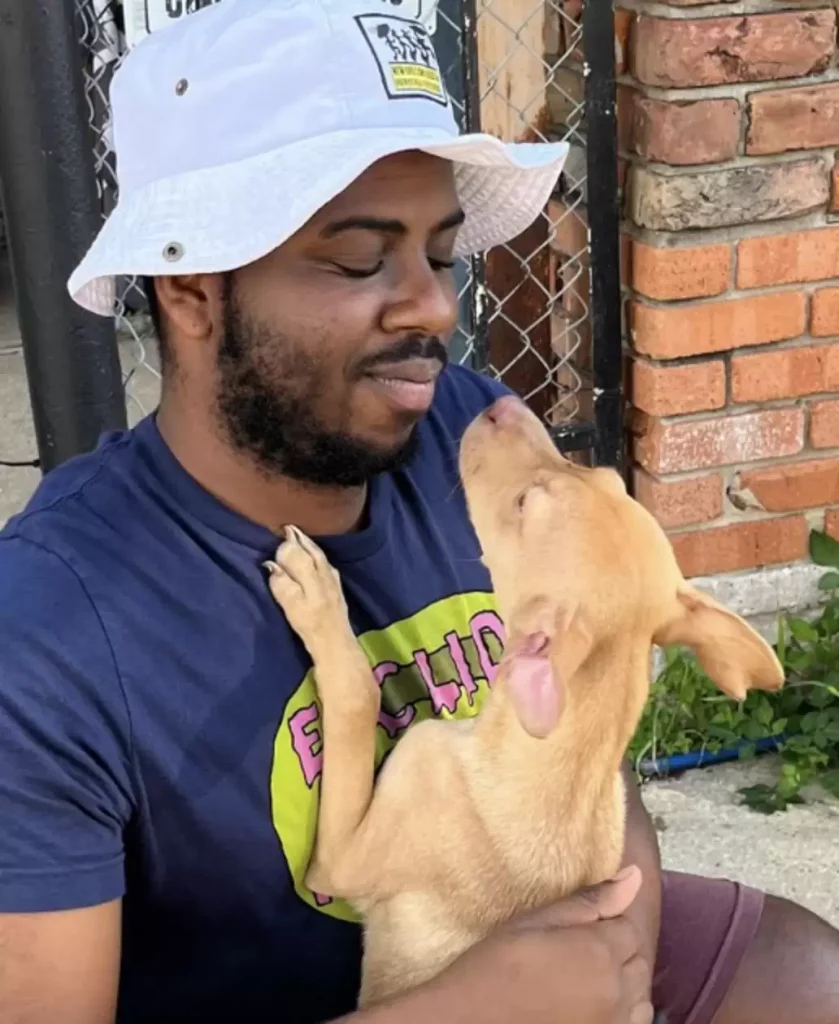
(387, 226)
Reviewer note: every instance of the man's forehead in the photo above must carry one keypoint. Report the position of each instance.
(409, 177)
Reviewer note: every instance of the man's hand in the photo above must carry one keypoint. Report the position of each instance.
(576, 962)
(641, 848)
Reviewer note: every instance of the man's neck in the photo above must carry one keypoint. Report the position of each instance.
(233, 478)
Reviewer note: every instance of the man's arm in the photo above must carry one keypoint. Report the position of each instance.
(65, 795)
(641, 848)
(60, 966)
(575, 962)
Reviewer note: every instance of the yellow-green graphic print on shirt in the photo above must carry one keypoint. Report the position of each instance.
(439, 662)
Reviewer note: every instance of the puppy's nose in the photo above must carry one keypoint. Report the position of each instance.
(504, 410)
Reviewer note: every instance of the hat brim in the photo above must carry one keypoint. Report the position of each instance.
(221, 218)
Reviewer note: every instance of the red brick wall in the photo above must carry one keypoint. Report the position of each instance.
(729, 131)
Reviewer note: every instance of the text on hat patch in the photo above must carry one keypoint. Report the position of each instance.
(405, 57)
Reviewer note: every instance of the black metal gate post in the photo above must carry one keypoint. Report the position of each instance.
(604, 227)
(52, 213)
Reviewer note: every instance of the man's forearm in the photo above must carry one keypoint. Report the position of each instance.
(641, 848)
(418, 1006)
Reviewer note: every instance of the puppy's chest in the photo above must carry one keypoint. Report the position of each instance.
(532, 856)
(527, 865)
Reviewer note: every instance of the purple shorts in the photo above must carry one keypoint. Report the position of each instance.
(706, 927)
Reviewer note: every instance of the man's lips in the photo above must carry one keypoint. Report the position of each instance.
(412, 371)
(407, 385)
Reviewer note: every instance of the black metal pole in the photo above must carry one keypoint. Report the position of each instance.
(52, 213)
(472, 109)
(604, 226)
(457, 47)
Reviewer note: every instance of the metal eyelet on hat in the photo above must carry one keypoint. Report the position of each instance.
(173, 252)
(181, 87)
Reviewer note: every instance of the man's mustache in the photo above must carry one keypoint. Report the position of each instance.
(416, 346)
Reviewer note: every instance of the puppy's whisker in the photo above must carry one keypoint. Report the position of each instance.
(457, 489)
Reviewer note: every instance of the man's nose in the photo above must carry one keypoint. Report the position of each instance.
(426, 304)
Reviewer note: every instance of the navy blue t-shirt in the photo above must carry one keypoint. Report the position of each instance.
(159, 734)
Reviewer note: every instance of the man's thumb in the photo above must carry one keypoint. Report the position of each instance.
(597, 903)
(613, 898)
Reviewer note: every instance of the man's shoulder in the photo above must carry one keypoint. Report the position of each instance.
(73, 501)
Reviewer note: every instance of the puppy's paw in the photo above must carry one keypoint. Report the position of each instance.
(308, 590)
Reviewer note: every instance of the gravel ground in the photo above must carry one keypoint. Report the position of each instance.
(703, 829)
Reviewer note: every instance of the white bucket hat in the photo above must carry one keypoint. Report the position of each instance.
(235, 126)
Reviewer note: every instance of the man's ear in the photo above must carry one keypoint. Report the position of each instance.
(731, 653)
(544, 651)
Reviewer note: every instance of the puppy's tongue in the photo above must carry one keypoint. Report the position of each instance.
(534, 689)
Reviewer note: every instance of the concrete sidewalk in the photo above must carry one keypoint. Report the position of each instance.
(701, 826)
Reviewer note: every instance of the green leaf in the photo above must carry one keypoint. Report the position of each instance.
(764, 712)
(803, 631)
(830, 581)
(763, 799)
(810, 722)
(824, 550)
(830, 781)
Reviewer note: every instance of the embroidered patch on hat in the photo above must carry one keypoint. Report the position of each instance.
(405, 57)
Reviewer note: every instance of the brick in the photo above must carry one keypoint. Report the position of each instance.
(626, 99)
(784, 119)
(788, 488)
(673, 332)
(791, 258)
(786, 373)
(734, 195)
(699, 132)
(824, 424)
(741, 546)
(680, 446)
(714, 51)
(675, 390)
(680, 502)
(685, 273)
(623, 28)
(563, 20)
(570, 231)
(831, 522)
(626, 259)
(824, 314)
(834, 187)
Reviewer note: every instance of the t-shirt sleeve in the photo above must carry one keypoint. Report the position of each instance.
(65, 776)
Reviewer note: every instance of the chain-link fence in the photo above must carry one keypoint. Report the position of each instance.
(514, 68)
(517, 72)
(104, 44)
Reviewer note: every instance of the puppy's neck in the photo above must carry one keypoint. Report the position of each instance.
(602, 706)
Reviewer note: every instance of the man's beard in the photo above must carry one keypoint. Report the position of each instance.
(268, 392)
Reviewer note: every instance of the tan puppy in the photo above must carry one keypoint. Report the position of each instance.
(471, 822)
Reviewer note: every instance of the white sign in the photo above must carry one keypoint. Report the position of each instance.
(145, 16)
(404, 54)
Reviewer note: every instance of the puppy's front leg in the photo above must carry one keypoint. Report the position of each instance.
(308, 590)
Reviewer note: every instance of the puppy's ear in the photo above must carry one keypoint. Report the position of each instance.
(544, 651)
(731, 653)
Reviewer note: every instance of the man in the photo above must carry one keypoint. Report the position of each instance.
(292, 180)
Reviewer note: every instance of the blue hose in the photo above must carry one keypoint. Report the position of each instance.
(703, 758)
